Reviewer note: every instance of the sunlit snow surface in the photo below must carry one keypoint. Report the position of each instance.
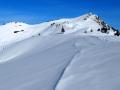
(41, 58)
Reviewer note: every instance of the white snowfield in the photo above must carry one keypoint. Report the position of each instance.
(66, 54)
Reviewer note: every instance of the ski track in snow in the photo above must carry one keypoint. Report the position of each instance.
(77, 54)
(64, 70)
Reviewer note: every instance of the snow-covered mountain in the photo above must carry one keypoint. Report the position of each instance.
(68, 54)
(90, 24)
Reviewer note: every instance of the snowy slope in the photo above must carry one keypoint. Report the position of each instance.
(41, 57)
(61, 63)
(93, 68)
(89, 24)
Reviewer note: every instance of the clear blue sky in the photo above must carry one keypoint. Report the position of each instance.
(36, 11)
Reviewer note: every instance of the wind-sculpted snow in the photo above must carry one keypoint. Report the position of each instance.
(39, 67)
(62, 62)
(94, 68)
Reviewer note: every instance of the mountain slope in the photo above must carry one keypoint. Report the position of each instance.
(89, 24)
(60, 63)
(94, 68)
(65, 54)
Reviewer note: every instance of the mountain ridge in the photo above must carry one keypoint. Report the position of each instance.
(88, 24)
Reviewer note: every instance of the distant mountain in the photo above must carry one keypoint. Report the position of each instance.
(89, 24)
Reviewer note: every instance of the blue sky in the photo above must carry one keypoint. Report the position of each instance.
(36, 11)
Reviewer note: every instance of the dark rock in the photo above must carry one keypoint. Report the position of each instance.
(16, 31)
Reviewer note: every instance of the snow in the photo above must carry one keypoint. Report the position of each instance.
(93, 68)
(43, 68)
(17, 31)
(43, 58)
